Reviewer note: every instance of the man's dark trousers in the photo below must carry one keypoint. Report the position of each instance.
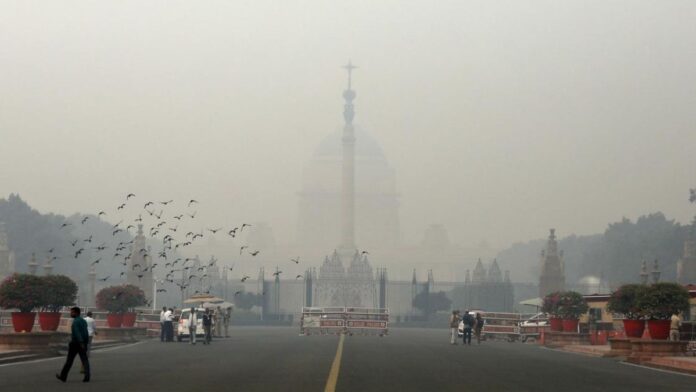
(467, 335)
(163, 331)
(73, 350)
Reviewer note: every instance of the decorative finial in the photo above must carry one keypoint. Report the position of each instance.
(349, 95)
(350, 67)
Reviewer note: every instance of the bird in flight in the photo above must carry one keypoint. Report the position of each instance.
(254, 253)
(149, 203)
(178, 217)
(79, 252)
(193, 215)
(130, 195)
(298, 277)
(84, 220)
(242, 248)
(237, 292)
(161, 290)
(215, 230)
(244, 279)
(296, 261)
(65, 225)
(233, 232)
(164, 203)
(364, 252)
(244, 225)
(277, 273)
(96, 261)
(88, 239)
(73, 243)
(104, 279)
(101, 213)
(122, 206)
(192, 201)
(140, 218)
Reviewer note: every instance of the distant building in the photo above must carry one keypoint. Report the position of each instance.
(552, 276)
(488, 290)
(686, 266)
(7, 257)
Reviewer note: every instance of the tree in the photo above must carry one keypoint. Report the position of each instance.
(430, 303)
(57, 291)
(21, 291)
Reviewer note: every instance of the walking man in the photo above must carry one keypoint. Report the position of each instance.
(478, 326)
(468, 321)
(454, 324)
(207, 326)
(675, 323)
(78, 346)
(163, 327)
(193, 324)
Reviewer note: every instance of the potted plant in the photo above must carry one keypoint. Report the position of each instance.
(550, 307)
(134, 297)
(21, 292)
(659, 302)
(625, 301)
(113, 300)
(571, 306)
(57, 291)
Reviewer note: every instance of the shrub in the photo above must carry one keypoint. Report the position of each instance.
(625, 301)
(661, 300)
(21, 291)
(571, 305)
(57, 291)
(550, 304)
(119, 299)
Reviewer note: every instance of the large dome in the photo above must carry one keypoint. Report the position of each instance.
(365, 146)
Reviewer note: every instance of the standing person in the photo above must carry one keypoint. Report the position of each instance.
(226, 321)
(478, 326)
(169, 325)
(79, 339)
(468, 321)
(454, 324)
(91, 331)
(207, 326)
(675, 323)
(193, 323)
(163, 327)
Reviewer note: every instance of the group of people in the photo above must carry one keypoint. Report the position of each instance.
(215, 323)
(167, 324)
(471, 324)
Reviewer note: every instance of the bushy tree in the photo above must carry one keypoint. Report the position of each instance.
(661, 300)
(57, 291)
(21, 291)
(625, 301)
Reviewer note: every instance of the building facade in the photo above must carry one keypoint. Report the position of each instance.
(552, 277)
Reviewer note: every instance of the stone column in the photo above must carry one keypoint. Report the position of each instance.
(33, 265)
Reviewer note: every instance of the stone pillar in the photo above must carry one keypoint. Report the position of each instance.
(92, 294)
(33, 265)
(48, 267)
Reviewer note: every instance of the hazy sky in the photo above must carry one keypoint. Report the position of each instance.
(501, 119)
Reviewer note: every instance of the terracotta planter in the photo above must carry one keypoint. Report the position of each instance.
(556, 324)
(114, 320)
(659, 329)
(570, 325)
(23, 321)
(634, 328)
(128, 319)
(49, 321)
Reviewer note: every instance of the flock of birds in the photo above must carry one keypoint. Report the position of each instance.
(163, 226)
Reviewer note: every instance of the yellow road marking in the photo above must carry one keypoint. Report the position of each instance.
(335, 367)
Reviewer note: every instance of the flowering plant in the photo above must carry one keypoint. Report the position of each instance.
(21, 291)
(58, 291)
(550, 304)
(119, 299)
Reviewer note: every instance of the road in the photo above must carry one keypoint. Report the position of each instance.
(277, 359)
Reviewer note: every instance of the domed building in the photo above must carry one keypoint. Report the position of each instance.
(376, 199)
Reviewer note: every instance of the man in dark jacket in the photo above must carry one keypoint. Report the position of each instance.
(207, 326)
(77, 346)
(468, 321)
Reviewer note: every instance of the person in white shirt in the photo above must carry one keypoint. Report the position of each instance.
(193, 323)
(163, 327)
(91, 331)
(169, 325)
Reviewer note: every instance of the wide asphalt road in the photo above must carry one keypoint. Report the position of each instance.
(277, 359)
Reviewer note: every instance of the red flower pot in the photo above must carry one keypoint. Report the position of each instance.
(114, 320)
(49, 321)
(556, 324)
(570, 325)
(129, 319)
(634, 328)
(659, 329)
(23, 321)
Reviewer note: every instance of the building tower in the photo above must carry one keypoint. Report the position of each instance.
(140, 265)
(92, 293)
(48, 267)
(33, 265)
(354, 285)
(552, 276)
(686, 267)
(7, 261)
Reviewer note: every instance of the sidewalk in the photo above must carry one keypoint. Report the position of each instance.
(679, 364)
(587, 349)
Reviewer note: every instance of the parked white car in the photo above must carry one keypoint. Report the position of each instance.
(183, 326)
